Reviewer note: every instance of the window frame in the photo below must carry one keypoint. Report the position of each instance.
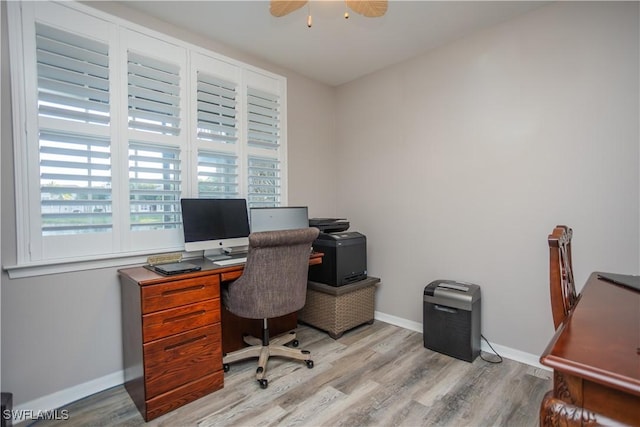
(22, 18)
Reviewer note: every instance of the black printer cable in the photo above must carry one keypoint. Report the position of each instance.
(499, 360)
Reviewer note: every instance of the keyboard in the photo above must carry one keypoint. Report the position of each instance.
(230, 261)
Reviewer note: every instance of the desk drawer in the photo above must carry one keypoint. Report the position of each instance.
(177, 360)
(182, 395)
(231, 275)
(176, 320)
(179, 292)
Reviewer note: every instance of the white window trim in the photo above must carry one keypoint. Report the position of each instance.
(24, 266)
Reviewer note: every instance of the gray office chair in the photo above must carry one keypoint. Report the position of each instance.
(273, 284)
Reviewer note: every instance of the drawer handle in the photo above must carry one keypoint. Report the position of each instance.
(178, 291)
(183, 343)
(184, 316)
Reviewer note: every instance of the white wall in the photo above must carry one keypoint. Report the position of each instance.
(61, 334)
(459, 163)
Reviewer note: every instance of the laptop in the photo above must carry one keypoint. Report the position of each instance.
(625, 280)
(176, 268)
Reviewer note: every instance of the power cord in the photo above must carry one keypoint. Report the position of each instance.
(499, 360)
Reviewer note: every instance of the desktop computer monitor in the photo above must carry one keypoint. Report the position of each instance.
(279, 218)
(214, 225)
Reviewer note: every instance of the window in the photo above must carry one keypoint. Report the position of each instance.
(154, 187)
(75, 167)
(217, 175)
(115, 123)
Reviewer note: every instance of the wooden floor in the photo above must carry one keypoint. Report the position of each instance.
(375, 375)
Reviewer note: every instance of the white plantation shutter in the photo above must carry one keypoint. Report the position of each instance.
(73, 76)
(154, 95)
(75, 174)
(75, 168)
(154, 187)
(217, 115)
(101, 152)
(264, 182)
(263, 118)
(217, 175)
(264, 166)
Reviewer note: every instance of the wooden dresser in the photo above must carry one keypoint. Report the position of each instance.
(172, 339)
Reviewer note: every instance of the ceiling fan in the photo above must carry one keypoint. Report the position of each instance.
(368, 8)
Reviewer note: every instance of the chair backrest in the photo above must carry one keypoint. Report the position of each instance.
(274, 280)
(561, 284)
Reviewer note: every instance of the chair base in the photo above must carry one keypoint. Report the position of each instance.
(276, 347)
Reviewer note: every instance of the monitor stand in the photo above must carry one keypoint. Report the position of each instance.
(215, 255)
(225, 253)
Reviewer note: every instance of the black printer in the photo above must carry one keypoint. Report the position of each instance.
(344, 260)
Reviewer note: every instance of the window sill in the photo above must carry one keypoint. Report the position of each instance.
(68, 266)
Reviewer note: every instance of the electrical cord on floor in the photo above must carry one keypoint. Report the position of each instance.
(499, 360)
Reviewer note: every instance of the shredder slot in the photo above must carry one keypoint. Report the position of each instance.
(452, 286)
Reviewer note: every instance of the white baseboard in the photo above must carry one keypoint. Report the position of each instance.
(398, 321)
(508, 352)
(71, 394)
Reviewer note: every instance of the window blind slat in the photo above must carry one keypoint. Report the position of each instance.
(72, 152)
(63, 113)
(71, 38)
(208, 136)
(164, 80)
(150, 127)
(77, 103)
(155, 92)
(166, 119)
(68, 76)
(215, 114)
(69, 50)
(94, 98)
(219, 125)
(224, 103)
(77, 65)
(64, 189)
(151, 63)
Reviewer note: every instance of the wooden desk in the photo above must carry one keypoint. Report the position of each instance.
(595, 359)
(174, 333)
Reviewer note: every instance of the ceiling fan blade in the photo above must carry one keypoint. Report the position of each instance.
(368, 8)
(283, 7)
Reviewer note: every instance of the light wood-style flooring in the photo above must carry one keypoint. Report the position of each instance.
(375, 375)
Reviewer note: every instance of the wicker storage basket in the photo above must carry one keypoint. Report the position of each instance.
(338, 309)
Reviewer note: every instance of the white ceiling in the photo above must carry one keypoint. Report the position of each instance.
(334, 50)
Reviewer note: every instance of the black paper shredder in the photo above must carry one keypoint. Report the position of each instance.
(451, 318)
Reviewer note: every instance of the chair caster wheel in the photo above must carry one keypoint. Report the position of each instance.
(309, 363)
(295, 343)
(263, 383)
(225, 367)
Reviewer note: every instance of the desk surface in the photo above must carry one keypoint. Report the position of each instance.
(145, 276)
(600, 340)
